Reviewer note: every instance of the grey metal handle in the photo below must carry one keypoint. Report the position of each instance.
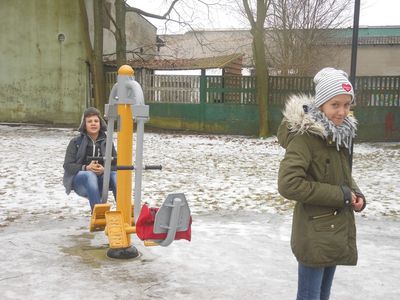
(173, 223)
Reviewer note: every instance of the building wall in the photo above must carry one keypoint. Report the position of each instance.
(379, 60)
(207, 44)
(372, 60)
(43, 80)
(141, 35)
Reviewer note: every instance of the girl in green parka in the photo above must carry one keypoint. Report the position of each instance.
(317, 133)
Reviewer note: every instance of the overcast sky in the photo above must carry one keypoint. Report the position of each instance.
(372, 13)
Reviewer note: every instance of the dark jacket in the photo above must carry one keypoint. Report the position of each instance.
(318, 177)
(76, 156)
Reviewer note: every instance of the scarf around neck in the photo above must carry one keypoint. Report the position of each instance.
(343, 134)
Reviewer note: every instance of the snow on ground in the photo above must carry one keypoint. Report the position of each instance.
(241, 225)
(217, 173)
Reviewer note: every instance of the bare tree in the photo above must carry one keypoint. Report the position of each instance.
(298, 29)
(256, 15)
(122, 8)
(94, 53)
(99, 87)
(180, 12)
(120, 33)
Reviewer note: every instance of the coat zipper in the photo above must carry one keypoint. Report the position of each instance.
(334, 213)
(94, 147)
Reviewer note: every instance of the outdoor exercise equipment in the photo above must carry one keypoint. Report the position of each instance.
(155, 226)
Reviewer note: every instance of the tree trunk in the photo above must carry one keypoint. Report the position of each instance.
(120, 37)
(257, 31)
(95, 56)
(85, 34)
(261, 80)
(98, 68)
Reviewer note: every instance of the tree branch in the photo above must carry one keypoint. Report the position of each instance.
(111, 18)
(154, 16)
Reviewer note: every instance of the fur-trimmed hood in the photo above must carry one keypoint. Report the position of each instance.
(92, 111)
(297, 119)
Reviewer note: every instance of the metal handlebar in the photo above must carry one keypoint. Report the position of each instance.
(146, 167)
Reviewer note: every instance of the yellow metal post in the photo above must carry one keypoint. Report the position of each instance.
(124, 158)
(119, 222)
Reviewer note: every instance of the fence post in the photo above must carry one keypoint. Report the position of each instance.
(203, 97)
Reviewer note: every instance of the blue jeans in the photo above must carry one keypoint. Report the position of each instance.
(314, 283)
(87, 184)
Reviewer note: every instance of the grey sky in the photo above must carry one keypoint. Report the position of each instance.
(372, 13)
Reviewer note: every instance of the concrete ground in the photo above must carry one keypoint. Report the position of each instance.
(240, 246)
(230, 257)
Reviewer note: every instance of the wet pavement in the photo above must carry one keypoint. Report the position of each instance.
(240, 246)
(230, 257)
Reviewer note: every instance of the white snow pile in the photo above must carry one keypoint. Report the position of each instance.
(219, 174)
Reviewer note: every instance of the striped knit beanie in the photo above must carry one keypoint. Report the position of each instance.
(329, 83)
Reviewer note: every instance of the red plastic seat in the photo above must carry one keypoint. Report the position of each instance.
(145, 226)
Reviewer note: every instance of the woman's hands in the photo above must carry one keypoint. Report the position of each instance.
(95, 167)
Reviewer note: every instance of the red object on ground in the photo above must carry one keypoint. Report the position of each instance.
(145, 225)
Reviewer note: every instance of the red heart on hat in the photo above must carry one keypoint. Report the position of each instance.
(346, 87)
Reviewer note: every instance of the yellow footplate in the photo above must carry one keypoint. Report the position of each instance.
(149, 243)
(98, 220)
(116, 230)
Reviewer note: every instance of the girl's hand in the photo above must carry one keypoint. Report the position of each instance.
(357, 204)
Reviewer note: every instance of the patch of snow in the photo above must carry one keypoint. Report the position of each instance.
(218, 173)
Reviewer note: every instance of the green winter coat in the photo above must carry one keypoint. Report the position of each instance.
(318, 177)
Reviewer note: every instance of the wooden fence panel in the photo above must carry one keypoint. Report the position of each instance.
(172, 88)
(281, 87)
(231, 89)
(370, 90)
(111, 79)
(378, 91)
